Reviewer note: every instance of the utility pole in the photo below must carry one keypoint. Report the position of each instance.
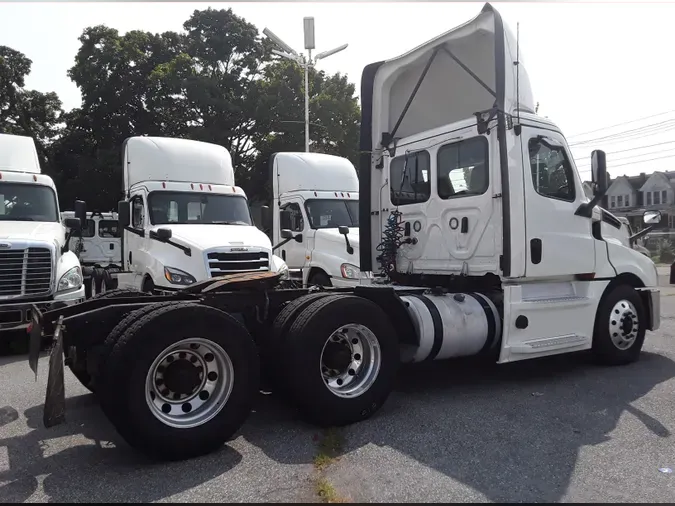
(304, 61)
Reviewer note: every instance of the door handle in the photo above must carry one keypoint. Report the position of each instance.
(465, 225)
(112, 246)
(283, 255)
(535, 250)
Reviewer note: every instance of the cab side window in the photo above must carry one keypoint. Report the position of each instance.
(552, 174)
(108, 228)
(463, 168)
(137, 212)
(89, 229)
(410, 178)
(297, 223)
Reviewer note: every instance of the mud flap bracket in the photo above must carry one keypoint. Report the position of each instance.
(55, 398)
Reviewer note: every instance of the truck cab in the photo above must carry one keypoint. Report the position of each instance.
(98, 246)
(316, 197)
(36, 265)
(183, 219)
(463, 187)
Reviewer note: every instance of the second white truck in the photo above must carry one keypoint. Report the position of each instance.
(316, 197)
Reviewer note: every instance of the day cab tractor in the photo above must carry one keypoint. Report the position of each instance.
(476, 239)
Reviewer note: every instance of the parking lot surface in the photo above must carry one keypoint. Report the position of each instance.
(556, 430)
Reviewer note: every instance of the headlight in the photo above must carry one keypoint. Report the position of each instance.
(283, 270)
(178, 277)
(350, 271)
(71, 280)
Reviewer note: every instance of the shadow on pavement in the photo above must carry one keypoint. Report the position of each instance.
(510, 432)
(95, 470)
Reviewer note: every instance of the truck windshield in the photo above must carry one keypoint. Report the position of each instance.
(27, 202)
(204, 208)
(332, 213)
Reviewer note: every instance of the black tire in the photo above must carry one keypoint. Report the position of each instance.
(303, 348)
(79, 368)
(273, 350)
(122, 386)
(96, 282)
(86, 275)
(108, 282)
(604, 349)
(148, 286)
(320, 278)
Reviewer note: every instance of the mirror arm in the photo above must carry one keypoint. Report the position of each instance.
(586, 209)
(641, 233)
(282, 243)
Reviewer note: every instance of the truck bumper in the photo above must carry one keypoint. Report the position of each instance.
(17, 316)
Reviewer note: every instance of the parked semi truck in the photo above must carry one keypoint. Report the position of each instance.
(36, 267)
(316, 197)
(99, 247)
(479, 236)
(189, 221)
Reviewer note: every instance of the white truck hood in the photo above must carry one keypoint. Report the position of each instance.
(337, 242)
(29, 230)
(213, 236)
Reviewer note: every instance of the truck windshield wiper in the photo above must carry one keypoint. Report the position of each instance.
(17, 218)
(215, 222)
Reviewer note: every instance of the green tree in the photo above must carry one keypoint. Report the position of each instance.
(334, 119)
(27, 112)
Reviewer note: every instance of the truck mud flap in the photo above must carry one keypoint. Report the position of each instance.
(35, 339)
(55, 399)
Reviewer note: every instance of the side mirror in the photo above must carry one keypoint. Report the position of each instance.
(123, 214)
(599, 171)
(286, 233)
(266, 217)
(81, 211)
(651, 217)
(73, 223)
(344, 230)
(164, 234)
(285, 219)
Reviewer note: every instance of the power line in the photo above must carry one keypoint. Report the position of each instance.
(639, 147)
(623, 123)
(653, 127)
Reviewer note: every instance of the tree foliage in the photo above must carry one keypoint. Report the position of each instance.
(214, 80)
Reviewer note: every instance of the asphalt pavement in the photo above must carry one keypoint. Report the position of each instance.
(554, 430)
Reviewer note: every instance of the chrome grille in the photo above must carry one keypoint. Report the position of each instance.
(225, 262)
(25, 272)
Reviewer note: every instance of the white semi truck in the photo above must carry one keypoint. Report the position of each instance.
(316, 196)
(479, 236)
(36, 267)
(99, 247)
(188, 221)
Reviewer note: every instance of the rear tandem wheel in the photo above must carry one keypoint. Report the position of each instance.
(179, 380)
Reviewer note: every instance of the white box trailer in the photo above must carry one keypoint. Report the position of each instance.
(480, 238)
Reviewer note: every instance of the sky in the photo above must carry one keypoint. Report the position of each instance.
(591, 65)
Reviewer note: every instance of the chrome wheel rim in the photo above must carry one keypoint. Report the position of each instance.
(350, 360)
(624, 324)
(189, 383)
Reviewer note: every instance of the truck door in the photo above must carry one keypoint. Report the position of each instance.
(293, 252)
(559, 243)
(109, 241)
(134, 241)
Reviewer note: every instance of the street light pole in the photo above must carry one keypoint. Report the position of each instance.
(304, 61)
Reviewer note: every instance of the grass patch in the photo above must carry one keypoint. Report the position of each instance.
(327, 493)
(330, 446)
